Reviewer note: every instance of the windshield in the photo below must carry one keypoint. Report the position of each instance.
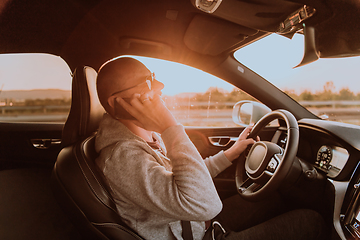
(330, 88)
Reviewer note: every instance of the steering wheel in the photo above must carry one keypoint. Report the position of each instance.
(267, 164)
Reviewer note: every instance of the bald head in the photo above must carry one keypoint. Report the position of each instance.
(116, 75)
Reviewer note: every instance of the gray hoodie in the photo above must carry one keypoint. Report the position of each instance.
(156, 189)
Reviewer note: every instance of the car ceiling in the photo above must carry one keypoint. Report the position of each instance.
(89, 32)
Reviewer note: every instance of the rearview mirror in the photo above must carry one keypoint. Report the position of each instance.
(248, 112)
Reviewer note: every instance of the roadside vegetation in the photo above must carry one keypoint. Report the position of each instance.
(327, 94)
(213, 107)
(214, 95)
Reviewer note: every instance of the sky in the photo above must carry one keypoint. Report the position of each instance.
(275, 59)
(179, 78)
(42, 71)
(33, 71)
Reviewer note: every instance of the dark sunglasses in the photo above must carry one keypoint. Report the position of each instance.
(148, 80)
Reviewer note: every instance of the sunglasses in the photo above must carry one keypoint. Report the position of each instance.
(148, 80)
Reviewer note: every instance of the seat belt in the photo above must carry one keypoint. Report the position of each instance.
(186, 230)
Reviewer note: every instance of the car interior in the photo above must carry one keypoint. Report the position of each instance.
(50, 187)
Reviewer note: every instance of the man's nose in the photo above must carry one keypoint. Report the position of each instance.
(158, 85)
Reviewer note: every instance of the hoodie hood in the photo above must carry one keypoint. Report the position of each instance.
(112, 131)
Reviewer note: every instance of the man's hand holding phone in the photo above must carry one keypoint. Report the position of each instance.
(149, 110)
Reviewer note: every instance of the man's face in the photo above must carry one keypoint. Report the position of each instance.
(140, 81)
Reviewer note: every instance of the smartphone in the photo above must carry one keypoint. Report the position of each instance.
(120, 112)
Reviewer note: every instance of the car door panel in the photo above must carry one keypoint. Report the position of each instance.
(29, 144)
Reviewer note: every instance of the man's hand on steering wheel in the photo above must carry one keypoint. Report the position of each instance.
(240, 145)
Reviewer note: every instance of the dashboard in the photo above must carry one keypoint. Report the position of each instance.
(331, 159)
(334, 150)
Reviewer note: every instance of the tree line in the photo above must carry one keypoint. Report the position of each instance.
(48, 102)
(327, 94)
(214, 94)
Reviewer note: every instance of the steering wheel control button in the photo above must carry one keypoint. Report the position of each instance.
(272, 165)
(241, 189)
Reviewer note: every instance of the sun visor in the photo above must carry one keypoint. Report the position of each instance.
(212, 36)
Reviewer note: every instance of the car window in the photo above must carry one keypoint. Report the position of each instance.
(329, 88)
(34, 88)
(196, 98)
(37, 88)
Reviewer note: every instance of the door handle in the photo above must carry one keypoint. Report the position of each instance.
(45, 143)
(222, 141)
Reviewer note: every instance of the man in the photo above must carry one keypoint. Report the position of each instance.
(156, 175)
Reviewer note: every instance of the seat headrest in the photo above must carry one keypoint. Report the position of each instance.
(86, 111)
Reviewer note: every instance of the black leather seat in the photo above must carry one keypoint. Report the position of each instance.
(78, 185)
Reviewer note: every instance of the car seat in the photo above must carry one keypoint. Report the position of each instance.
(78, 185)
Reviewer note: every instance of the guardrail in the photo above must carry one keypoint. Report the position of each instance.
(189, 113)
(213, 104)
(180, 104)
(43, 109)
(333, 104)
